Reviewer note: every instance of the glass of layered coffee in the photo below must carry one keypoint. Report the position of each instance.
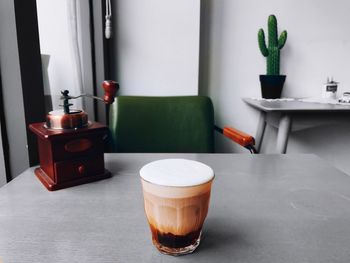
(176, 198)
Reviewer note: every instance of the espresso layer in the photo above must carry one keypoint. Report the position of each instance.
(174, 241)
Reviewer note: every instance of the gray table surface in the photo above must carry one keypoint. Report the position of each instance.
(295, 106)
(264, 208)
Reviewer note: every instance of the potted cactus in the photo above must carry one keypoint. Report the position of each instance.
(272, 82)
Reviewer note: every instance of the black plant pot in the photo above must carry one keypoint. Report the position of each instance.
(271, 86)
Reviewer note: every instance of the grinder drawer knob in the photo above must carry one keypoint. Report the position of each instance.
(81, 169)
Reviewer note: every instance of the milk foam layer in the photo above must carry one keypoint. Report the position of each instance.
(177, 173)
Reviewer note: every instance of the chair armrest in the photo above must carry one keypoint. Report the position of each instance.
(238, 136)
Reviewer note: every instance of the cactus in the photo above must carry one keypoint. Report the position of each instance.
(275, 44)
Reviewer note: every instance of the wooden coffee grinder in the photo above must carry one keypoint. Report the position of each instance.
(70, 146)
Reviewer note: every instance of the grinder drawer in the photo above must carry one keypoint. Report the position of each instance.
(74, 169)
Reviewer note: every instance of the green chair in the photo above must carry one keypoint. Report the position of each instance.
(183, 124)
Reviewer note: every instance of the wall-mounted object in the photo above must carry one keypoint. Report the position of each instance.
(70, 146)
(272, 83)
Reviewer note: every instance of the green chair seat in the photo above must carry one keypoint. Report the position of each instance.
(162, 124)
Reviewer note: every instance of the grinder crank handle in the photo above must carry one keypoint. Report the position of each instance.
(110, 87)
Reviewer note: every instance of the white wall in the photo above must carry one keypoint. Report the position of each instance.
(12, 89)
(156, 46)
(318, 45)
(2, 164)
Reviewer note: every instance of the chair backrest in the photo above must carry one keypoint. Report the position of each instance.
(162, 124)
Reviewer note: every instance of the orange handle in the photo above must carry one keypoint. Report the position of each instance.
(111, 87)
(238, 136)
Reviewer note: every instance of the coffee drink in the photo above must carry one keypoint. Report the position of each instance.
(176, 199)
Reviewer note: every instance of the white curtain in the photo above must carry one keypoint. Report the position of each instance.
(65, 39)
(74, 30)
(80, 47)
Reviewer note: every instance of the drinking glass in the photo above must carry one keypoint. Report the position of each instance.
(176, 199)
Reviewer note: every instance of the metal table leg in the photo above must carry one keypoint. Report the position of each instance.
(283, 133)
(260, 130)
